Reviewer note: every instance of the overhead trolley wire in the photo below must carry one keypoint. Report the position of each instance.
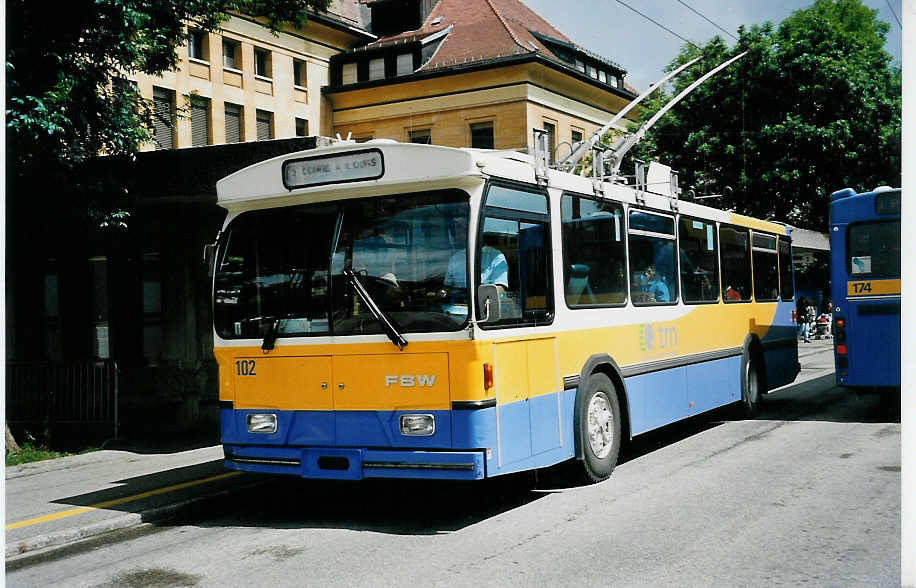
(653, 21)
(701, 15)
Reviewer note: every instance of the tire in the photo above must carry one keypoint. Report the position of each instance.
(750, 386)
(597, 428)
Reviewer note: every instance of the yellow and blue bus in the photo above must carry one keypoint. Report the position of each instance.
(398, 310)
(865, 287)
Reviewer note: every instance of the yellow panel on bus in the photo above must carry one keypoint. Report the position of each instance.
(391, 382)
(282, 383)
(872, 288)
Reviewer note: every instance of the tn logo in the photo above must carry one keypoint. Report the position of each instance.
(407, 381)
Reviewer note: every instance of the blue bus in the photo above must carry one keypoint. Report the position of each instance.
(865, 278)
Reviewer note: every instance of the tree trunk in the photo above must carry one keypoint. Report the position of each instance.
(11, 445)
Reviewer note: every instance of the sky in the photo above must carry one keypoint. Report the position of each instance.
(614, 31)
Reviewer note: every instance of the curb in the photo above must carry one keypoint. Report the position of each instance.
(48, 543)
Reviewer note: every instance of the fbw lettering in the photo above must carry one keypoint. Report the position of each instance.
(408, 381)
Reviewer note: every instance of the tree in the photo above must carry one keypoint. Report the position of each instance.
(813, 107)
(66, 102)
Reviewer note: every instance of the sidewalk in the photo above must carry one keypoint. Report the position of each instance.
(56, 502)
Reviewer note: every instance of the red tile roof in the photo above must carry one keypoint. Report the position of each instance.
(481, 30)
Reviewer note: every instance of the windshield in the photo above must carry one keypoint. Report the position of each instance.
(277, 270)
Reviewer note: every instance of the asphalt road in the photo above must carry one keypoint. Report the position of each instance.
(806, 494)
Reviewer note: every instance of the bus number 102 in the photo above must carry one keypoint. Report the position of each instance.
(244, 367)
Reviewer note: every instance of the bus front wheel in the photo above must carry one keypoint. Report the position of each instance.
(598, 427)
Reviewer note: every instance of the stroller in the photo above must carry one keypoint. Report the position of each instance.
(820, 327)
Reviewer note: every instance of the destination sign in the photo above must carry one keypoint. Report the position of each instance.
(333, 169)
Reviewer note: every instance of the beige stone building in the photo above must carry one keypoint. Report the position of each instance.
(245, 84)
(479, 73)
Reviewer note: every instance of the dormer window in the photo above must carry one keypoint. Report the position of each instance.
(349, 73)
(405, 64)
(377, 68)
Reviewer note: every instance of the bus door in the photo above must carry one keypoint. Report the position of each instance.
(513, 253)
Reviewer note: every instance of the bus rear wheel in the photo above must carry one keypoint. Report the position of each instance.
(750, 387)
(598, 428)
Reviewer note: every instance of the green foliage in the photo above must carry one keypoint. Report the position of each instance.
(813, 107)
(67, 100)
(30, 452)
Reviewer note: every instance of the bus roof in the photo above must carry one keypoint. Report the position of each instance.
(382, 166)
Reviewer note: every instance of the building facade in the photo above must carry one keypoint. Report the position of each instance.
(471, 73)
(245, 84)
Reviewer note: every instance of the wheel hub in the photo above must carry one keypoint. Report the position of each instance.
(600, 426)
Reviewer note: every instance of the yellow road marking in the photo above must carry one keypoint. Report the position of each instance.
(117, 501)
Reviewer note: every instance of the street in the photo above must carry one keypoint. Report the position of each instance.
(806, 493)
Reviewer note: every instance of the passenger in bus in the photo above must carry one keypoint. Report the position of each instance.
(494, 269)
(731, 294)
(652, 287)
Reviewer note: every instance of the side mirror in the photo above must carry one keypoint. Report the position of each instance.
(488, 303)
(210, 257)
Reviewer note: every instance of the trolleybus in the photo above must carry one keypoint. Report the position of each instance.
(400, 310)
(865, 286)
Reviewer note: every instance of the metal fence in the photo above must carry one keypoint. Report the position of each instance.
(55, 393)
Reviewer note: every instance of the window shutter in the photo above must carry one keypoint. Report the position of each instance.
(233, 123)
(162, 119)
(200, 130)
(263, 125)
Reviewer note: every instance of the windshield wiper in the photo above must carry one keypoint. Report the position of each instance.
(386, 321)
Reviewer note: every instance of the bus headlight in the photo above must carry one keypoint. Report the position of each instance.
(418, 425)
(262, 423)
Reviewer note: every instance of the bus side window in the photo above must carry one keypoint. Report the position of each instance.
(594, 252)
(698, 251)
(513, 252)
(653, 266)
(736, 263)
(766, 268)
(786, 283)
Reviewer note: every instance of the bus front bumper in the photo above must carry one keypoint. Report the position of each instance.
(356, 463)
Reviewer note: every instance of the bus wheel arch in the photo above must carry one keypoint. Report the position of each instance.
(599, 418)
(753, 376)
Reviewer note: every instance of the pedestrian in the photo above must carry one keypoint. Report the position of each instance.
(801, 318)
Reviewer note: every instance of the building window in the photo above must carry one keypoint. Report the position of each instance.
(349, 73)
(405, 64)
(300, 76)
(575, 137)
(592, 72)
(197, 45)
(233, 123)
(580, 66)
(482, 135)
(98, 274)
(377, 69)
(613, 82)
(551, 140)
(164, 118)
(152, 308)
(200, 122)
(262, 63)
(422, 136)
(302, 127)
(231, 54)
(264, 123)
(602, 77)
